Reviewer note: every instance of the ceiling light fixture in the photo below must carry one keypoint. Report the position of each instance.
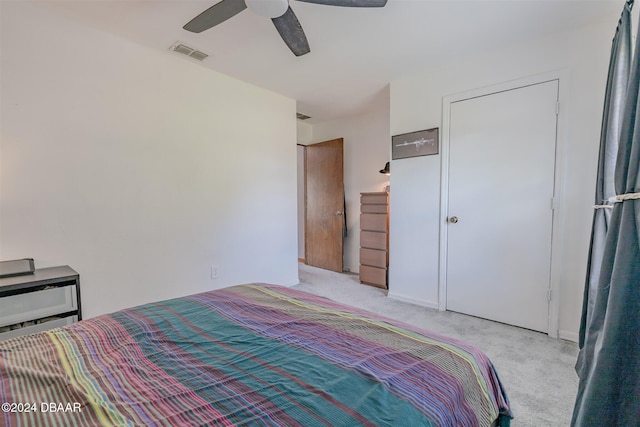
(268, 8)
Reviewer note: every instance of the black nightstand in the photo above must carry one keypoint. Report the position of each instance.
(48, 298)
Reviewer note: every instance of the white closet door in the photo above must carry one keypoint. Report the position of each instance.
(501, 185)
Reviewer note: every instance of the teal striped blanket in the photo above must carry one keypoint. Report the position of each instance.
(254, 355)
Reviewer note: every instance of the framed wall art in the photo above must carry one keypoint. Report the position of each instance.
(413, 144)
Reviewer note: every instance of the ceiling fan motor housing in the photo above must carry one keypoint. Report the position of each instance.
(268, 8)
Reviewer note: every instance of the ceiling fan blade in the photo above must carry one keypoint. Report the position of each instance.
(349, 3)
(291, 32)
(215, 15)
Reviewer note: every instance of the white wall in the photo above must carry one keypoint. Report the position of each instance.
(304, 136)
(366, 150)
(301, 218)
(416, 103)
(304, 133)
(139, 169)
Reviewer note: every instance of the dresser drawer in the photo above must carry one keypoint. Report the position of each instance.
(39, 327)
(373, 240)
(36, 305)
(373, 222)
(373, 257)
(374, 198)
(373, 276)
(376, 209)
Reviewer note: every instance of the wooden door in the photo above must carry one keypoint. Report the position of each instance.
(324, 204)
(500, 212)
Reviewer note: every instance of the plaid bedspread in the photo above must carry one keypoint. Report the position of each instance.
(246, 355)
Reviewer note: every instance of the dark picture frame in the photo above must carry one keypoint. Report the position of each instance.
(413, 144)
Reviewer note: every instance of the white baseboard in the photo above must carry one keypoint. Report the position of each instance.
(415, 301)
(568, 336)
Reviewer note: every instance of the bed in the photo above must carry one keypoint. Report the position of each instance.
(254, 354)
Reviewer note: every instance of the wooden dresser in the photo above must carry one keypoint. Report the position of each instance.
(374, 238)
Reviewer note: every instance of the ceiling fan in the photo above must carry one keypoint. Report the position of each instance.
(280, 13)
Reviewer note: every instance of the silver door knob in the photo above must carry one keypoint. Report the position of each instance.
(453, 219)
(338, 213)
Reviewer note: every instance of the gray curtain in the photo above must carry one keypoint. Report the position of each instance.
(609, 360)
(619, 68)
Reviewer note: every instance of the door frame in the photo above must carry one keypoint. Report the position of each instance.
(558, 220)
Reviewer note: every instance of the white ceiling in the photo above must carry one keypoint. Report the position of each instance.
(355, 52)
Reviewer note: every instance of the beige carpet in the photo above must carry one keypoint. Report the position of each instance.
(537, 371)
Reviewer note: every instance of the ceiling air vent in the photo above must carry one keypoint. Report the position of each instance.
(301, 116)
(189, 51)
(200, 56)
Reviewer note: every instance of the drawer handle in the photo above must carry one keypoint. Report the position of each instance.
(339, 213)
